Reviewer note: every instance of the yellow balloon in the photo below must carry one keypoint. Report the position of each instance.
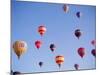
(20, 47)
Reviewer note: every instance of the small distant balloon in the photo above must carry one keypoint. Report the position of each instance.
(40, 64)
(38, 44)
(78, 14)
(65, 8)
(76, 66)
(59, 60)
(52, 47)
(41, 30)
(20, 47)
(93, 42)
(81, 52)
(93, 52)
(16, 73)
(11, 72)
(78, 33)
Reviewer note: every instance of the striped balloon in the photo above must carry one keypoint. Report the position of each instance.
(59, 60)
(41, 30)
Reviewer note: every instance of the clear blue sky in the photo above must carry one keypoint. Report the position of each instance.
(27, 16)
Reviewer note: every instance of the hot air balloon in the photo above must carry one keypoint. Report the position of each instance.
(20, 47)
(65, 8)
(38, 44)
(76, 66)
(16, 73)
(59, 60)
(52, 47)
(42, 30)
(78, 33)
(93, 52)
(81, 52)
(11, 72)
(78, 14)
(93, 42)
(40, 64)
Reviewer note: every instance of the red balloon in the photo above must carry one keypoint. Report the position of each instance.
(38, 44)
(93, 52)
(76, 66)
(81, 52)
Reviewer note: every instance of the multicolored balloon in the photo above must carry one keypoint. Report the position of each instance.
(81, 52)
(93, 52)
(19, 48)
(65, 8)
(38, 44)
(52, 47)
(59, 60)
(78, 33)
(41, 30)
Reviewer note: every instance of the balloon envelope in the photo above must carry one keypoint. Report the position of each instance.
(41, 30)
(38, 44)
(65, 8)
(76, 66)
(20, 47)
(16, 73)
(59, 60)
(52, 47)
(81, 52)
(78, 14)
(93, 42)
(40, 64)
(93, 52)
(78, 33)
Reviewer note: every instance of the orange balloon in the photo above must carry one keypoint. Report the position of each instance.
(59, 60)
(41, 30)
(20, 47)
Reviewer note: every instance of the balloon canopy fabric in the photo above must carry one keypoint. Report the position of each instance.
(59, 60)
(19, 47)
(93, 52)
(40, 64)
(16, 73)
(93, 42)
(76, 66)
(42, 30)
(78, 14)
(52, 47)
(65, 8)
(81, 52)
(38, 44)
(78, 33)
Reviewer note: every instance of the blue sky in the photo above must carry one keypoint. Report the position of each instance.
(27, 16)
